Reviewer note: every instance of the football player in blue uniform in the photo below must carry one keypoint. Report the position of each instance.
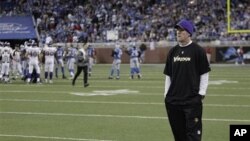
(116, 54)
(91, 53)
(134, 54)
(59, 61)
(71, 55)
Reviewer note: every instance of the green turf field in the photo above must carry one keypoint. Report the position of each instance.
(117, 110)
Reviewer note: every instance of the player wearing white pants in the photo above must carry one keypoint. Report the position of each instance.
(49, 53)
(33, 54)
(5, 67)
(17, 68)
(24, 60)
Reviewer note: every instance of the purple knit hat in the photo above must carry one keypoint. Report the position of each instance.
(187, 25)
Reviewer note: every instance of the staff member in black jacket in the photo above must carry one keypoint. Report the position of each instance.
(186, 83)
(82, 65)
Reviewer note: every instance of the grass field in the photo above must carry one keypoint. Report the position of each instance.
(117, 110)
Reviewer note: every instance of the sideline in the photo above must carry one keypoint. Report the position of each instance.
(115, 116)
(147, 94)
(52, 138)
(112, 102)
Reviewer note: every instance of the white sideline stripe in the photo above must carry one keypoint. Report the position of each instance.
(121, 86)
(81, 115)
(228, 95)
(114, 116)
(151, 94)
(227, 88)
(35, 91)
(80, 86)
(225, 105)
(111, 102)
(73, 101)
(53, 138)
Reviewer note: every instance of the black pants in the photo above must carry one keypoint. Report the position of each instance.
(185, 121)
(85, 74)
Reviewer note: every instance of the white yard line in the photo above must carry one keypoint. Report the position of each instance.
(226, 105)
(108, 86)
(17, 91)
(227, 95)
(51, 138)
(149, 93)
(73, 101)
(112, 102)
(114, 116)
(80, 115)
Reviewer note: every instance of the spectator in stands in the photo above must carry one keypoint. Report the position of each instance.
(240, 13)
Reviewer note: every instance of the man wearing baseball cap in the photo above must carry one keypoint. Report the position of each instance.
(186, 82)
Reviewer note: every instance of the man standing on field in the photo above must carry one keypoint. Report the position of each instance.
(186, 72)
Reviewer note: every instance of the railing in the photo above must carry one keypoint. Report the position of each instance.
(163, 44)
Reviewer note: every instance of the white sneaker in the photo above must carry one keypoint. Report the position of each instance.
(28, 80)
(50, 81)
(46, 80)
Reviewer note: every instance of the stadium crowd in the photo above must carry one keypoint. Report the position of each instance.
(144, 20)
(240, 15)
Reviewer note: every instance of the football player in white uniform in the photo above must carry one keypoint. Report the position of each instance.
(33, 54)
(16, 62)
(5, 59)
(49, 52)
